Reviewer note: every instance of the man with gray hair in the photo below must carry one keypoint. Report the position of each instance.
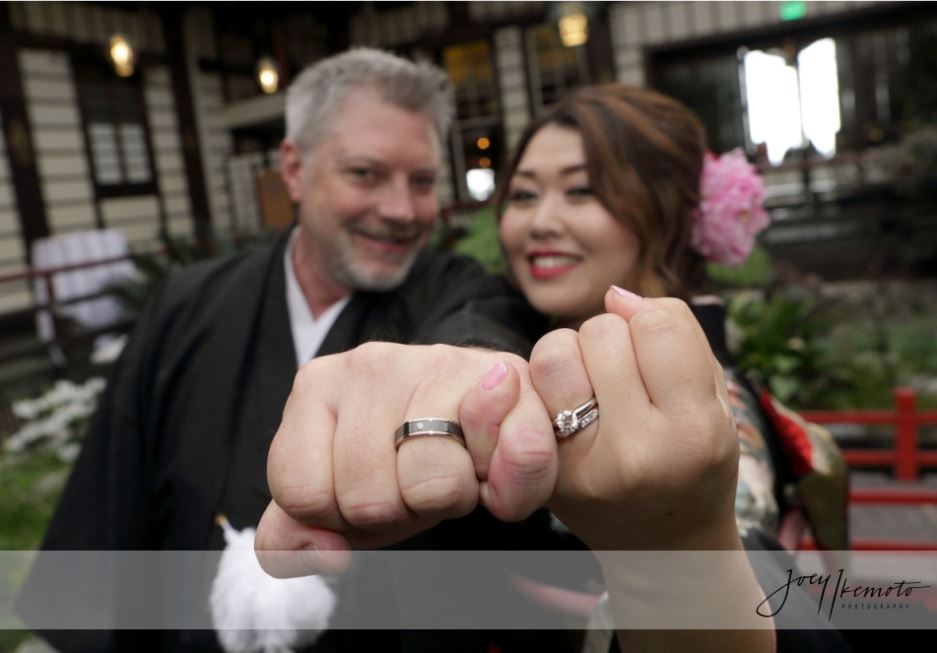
(182, 433)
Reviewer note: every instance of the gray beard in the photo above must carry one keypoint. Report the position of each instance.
(345, 271)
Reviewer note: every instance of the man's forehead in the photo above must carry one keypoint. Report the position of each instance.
(382, 133)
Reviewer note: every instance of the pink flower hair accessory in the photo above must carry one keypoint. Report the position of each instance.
(731, 210)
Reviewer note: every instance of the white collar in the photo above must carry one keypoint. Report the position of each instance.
(308, 332)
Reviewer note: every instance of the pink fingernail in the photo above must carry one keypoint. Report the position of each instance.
(626, 293)
(495, 376)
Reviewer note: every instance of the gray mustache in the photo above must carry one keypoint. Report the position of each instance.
(394, 231)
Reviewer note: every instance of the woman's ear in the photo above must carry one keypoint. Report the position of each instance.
(291, 168)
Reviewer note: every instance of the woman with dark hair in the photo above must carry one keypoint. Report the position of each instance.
(605, 189)
(613, 186)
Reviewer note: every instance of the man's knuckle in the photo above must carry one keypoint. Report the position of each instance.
(305, 502)
(438, 493)
(368, 357)
(474, 413)
(529, 457)
(370, 513)
(308, 376)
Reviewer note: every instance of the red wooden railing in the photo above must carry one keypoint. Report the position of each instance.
(906, 458)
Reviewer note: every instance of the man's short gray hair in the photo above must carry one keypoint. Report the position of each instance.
(316, 93)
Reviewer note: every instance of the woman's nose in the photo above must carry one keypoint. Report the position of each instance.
(547, 218)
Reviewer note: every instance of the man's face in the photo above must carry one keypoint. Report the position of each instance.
(366, 194)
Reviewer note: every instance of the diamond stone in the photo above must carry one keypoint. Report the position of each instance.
(567, 422)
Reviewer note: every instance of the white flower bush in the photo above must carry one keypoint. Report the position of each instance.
(57, 420)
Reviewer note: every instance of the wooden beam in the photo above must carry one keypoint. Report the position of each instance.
(18, 136)
(173, 20)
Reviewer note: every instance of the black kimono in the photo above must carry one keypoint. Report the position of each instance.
(183, 429)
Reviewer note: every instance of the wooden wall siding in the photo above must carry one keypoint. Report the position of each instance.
(637, 25)
(373, 26)
(243, 170)
(136, 217)
(14, 295)
(59, 140)
(11, 244)
(167, 151)
(217, 147)
(85, 23)
(515, 105)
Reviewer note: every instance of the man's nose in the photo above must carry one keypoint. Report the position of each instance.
(397, 201)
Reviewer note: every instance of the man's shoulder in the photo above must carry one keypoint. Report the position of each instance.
(208, 287)
(217, 276)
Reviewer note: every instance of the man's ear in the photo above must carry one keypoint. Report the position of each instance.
(291, 168)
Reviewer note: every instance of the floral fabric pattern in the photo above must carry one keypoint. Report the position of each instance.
(755, 504)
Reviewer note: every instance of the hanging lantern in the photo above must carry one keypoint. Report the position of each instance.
(267, 75)
(573, 24)
(121, 55)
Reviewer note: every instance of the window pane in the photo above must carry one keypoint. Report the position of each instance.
(472, 73)
(104, 152)
(555, 68)
(476, 131)
(138, 171)
(133, 141)
(819, 95)
(97, 102)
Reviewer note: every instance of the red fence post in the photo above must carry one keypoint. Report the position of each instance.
(906, 445)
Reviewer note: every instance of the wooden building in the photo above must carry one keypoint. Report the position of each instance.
(180, 142)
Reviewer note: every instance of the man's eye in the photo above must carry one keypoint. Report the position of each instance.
(424, 183)
(362, 174)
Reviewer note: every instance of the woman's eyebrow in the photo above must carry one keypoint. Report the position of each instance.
(568, 170)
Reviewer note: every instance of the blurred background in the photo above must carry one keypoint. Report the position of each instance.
(138, 137)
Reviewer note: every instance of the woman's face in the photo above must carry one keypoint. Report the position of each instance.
(563, 247)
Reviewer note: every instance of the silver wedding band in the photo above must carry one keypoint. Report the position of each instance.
(568, 422)
(436, 426)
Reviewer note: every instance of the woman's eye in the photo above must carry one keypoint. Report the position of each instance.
(580, 191)
(521, 196)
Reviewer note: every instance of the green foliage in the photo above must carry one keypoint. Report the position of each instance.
(29, 489)
(784, 345)
(481, 241)
(816, 354)
(888, 353)
(755, 272)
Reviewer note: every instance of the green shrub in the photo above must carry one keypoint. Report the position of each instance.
(480, 241)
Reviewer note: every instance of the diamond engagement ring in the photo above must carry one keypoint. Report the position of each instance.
(568, 422)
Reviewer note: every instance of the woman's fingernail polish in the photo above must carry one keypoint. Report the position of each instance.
(626, 293)
(495, 376)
